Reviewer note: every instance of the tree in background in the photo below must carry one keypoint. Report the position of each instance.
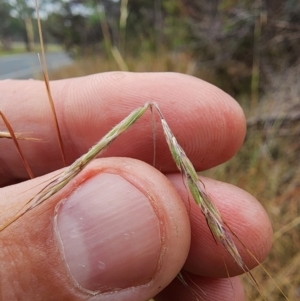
(129, 25)
(23, 10)
(10, 26)
(76, 24)
(17, 21)
(245, 42)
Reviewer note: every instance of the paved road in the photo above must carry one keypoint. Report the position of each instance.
(24, 66)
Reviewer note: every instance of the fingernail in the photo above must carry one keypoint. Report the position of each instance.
(109, 234)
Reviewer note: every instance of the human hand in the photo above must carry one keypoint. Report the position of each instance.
(123, 229)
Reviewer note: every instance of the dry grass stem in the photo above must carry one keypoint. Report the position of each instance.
(7, 135)
(19, 136)
(47, 84)
(15, 140)
(119, 59)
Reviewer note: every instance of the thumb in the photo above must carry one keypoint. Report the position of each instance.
(117, 231)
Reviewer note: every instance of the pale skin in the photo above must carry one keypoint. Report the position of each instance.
(209, 125)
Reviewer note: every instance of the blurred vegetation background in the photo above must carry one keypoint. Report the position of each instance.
(250, 49)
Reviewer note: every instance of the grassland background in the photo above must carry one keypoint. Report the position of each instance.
(267, 166)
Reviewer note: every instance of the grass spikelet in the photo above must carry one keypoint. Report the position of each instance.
(74, 169)
(210, 211)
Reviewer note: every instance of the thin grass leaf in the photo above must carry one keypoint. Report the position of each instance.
(43, 63)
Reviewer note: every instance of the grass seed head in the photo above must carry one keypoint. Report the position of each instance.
(213, 218)
(210, 211)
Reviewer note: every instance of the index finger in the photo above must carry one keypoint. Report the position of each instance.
(207, 122)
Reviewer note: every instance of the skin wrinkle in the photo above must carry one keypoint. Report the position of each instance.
(85, 114)
(68, 108)
(250, 214)
(68, 135)
(4, 168)
(14, 267)
(209, 289)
